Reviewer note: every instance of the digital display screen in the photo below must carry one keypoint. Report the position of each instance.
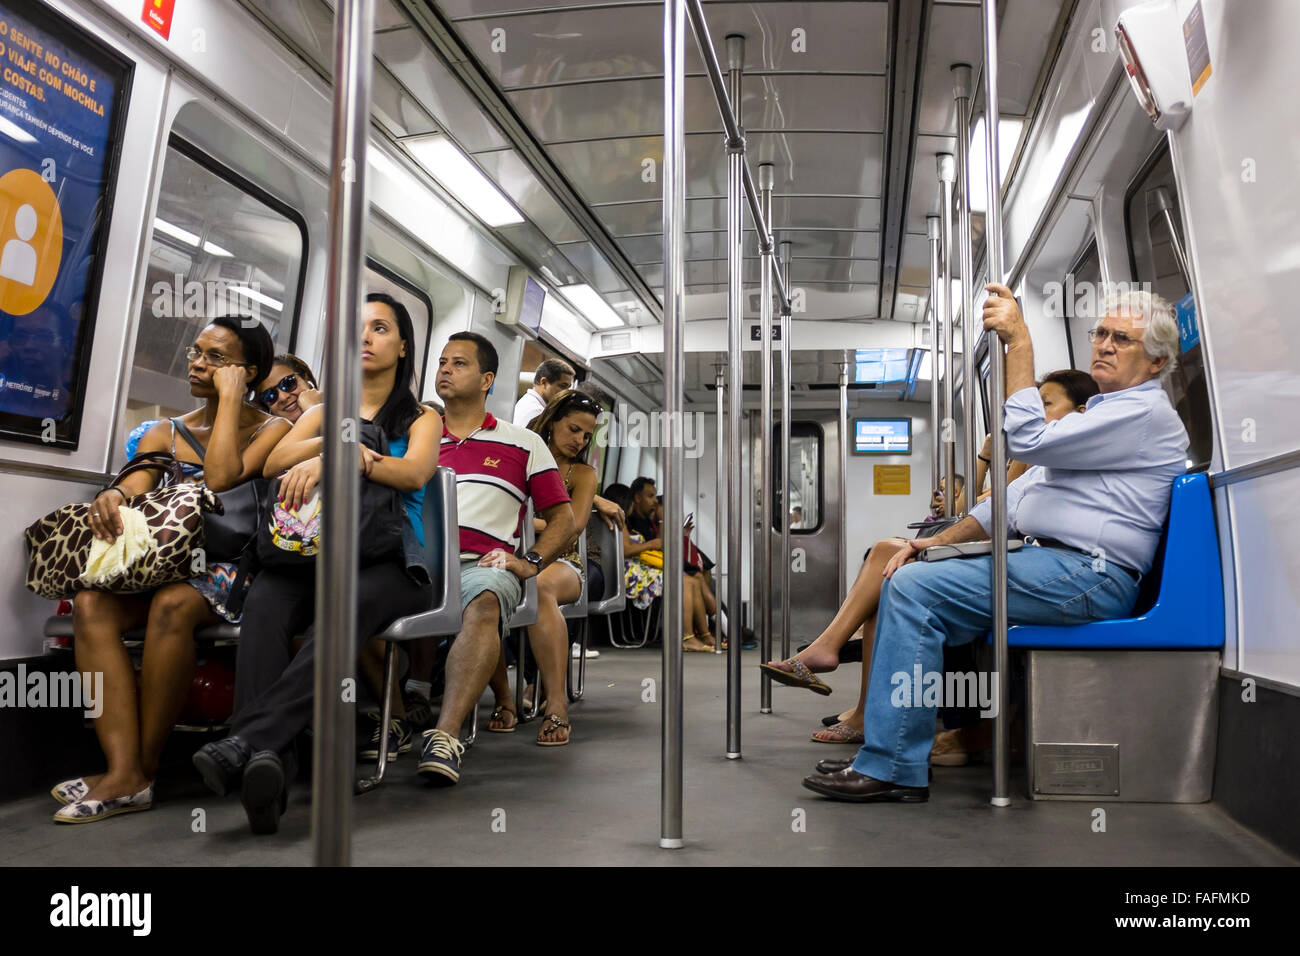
(530, 308)
(877, 366)
(882, 436)
(62, 97)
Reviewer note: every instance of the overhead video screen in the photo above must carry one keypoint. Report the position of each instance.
(882, 436)
(62, 97)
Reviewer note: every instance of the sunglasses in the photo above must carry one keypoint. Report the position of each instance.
(286, 384)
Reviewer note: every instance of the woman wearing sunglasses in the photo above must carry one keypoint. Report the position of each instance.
(290, 389)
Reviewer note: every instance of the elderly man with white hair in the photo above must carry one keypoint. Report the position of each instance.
(1100, 490)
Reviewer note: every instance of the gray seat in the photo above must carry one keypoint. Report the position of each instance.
(574, 610)
(612, 601)
(442, 559)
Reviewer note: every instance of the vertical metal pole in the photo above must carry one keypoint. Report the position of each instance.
(674, 225)
(736, 516)
(766, 179)
(336, 571)
(961, 74)
(720, 483)
(845, 441)
(936, 291)
(787, 481)
(948, 427)
(997, 391)
(1160, 198)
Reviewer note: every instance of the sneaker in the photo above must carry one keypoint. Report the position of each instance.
(440, 759)
(399, 740)
(576, 652)
(419, 710)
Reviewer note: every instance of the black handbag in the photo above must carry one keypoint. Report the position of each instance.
(226, 534)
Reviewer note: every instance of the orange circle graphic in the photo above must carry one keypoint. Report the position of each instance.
(31, 240)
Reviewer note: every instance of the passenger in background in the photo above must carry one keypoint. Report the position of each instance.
(644, 579)
(796, 518)
(1101, 489)
(567, 427)
(498, 467)
(551, 378)
(863, 600)
(290, 389)
(228, 357)
(274, 687)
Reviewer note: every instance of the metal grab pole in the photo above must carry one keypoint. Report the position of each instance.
(932, 233)
(948, 429)
(336, 571)
(674, 224)
(787, 483)
(970, 332)
(997, 390)
(731, 123)
(719, 485)
(845, 440)
(766, 178)
(735, 397)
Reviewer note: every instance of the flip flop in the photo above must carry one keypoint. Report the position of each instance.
(498, 713)
(798, 676)
(838, 734)
(554, 720)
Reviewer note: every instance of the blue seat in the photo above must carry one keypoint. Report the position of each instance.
(1180, 603)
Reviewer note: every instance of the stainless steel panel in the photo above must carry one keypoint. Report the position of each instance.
(816, 573)
(1076, 769)
(1159, 709)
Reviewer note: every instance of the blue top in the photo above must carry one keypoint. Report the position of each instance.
(413, 500)
(1103, 478)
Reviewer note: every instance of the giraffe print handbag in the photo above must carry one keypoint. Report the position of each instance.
(58, 545)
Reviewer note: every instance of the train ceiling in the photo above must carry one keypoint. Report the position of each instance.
(560, 104)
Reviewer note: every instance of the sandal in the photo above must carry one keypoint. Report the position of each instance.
(498, 714)
(550, 724)
(797, 676)
(699, 648)
(839, 734)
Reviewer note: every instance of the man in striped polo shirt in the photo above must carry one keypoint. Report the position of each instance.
(498, 467)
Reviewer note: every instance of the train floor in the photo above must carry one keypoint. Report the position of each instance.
(596, 802)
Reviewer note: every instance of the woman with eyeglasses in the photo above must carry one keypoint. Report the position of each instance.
(567, 426)
(290, 389)
(228, 357)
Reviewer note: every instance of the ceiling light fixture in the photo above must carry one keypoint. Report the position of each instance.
(464, 180)
(189, 238)
(592, 306)
(1009, 128)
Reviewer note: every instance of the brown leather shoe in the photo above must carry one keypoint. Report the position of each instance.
(859, 788)
(833, 766)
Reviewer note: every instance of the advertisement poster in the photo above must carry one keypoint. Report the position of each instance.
(62, 99)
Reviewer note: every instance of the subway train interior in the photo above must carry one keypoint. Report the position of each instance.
(760, 235)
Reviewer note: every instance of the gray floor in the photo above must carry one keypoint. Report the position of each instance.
(597, 802)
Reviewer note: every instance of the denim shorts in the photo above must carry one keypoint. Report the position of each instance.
(474, 580)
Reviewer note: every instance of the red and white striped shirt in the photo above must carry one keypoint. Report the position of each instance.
(498, 467)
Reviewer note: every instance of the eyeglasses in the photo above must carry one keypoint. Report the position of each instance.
(210, 359)
(286, 384)
(1121, 339)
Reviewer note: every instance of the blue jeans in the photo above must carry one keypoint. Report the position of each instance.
(926, 605)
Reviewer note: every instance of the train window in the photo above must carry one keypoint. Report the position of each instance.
(1087, 274)
(381, 279)
(806, 497)
(220, 246)
(1158, 258)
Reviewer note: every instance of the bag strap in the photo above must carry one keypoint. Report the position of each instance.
(179, 426)
(149, 460)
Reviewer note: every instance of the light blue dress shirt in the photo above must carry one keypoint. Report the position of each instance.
(1103, 478)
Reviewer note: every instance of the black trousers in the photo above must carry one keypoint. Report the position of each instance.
(274, 691)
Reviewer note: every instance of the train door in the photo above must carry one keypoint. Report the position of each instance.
(816, 532)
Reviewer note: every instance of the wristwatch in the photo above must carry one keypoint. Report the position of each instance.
(535, 559)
